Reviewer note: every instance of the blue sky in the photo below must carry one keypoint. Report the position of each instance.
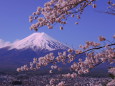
(14, 23)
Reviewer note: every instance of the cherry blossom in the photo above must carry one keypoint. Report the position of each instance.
(95, 54)
(58, 11)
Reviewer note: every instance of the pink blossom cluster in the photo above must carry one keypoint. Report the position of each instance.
(101, 38)
(73, 75)
(63, 56)
(112, 83)
(52, 83)
(37, 63)
(111, 8)
(92, 60)
(23, 68)
(57, 11)
(62, 83)
(112, 71)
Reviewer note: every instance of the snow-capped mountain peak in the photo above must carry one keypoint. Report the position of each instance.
(38, 41)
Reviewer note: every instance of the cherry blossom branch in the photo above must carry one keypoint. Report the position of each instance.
(98, 47)
(92, 58)
(56, 11)
(111, 8)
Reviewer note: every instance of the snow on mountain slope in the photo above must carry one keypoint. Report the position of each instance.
(38, 41)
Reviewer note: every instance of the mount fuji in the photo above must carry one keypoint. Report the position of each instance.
(13, 55)
(38, 41)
